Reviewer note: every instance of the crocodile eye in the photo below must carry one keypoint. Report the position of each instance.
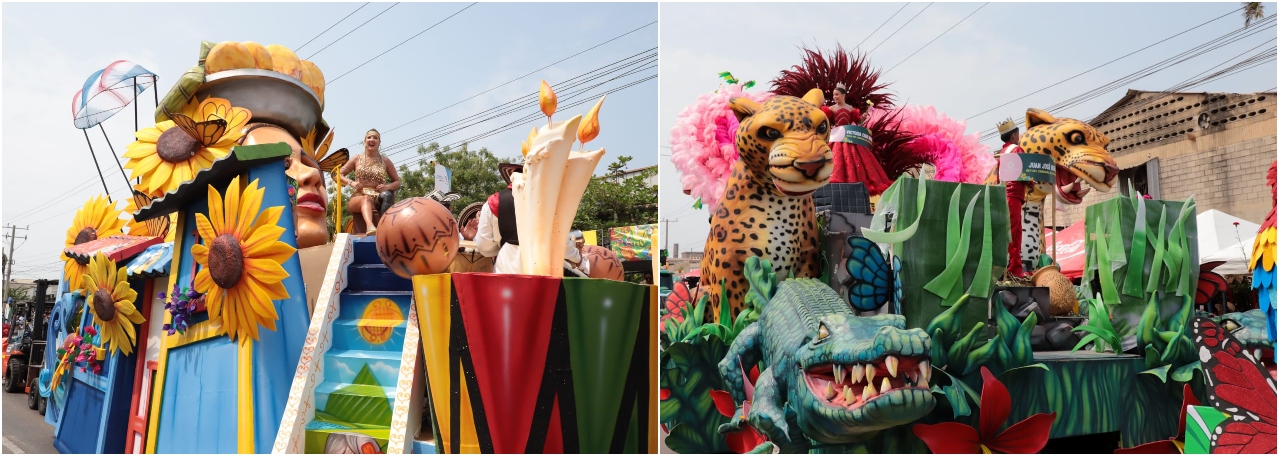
(769, 133)
(1075, 138)
(1230, 325)
(822, 333)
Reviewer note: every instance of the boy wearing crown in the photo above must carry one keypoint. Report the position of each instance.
(1010, 135)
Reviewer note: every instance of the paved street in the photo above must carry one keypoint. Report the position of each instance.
(24, 429)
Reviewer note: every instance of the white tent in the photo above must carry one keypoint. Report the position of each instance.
(1221, 240)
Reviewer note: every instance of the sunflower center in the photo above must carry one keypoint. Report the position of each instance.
(104, 304)
(226, 261)
(175, 145)
(85, 235)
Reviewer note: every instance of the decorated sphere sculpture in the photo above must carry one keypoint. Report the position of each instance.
(605, 263)
(417, 236)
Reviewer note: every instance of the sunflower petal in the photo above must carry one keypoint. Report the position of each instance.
(265, 270)
(262, 238)
(199, 252)
(276, 251)
(151, 134)
(87, 282)
(276, 290)
(139, 150)
(260, 294)
(203, 282)
(213, 301)
(160, 177)
(215, 211)
(250, 204)
(231, 205)
(208, 229)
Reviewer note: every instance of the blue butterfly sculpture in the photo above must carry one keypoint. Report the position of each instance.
(872, 281)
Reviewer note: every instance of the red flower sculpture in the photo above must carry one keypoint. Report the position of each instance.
(1028, 436)
(745, 440)
(1173, 445)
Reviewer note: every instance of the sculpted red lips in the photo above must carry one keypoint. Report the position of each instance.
(312, 202)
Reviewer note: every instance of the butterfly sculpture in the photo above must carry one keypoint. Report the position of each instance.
(871, 282)
(321, 154)
(1210, 284)
(1239, 386)
(157, 226)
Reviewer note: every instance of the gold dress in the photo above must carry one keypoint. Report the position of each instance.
(370, 174)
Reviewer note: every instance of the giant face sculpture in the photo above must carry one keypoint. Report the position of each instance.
(311, 199)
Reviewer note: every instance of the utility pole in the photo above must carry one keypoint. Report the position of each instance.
(666, 232)
(8, 264)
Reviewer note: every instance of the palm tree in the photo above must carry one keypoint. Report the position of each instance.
(1252, 11)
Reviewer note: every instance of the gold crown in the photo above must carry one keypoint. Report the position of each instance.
(1007, 126)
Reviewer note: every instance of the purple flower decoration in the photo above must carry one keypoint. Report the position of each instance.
(181, 306)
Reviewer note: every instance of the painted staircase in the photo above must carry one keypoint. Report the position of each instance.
(355, 381)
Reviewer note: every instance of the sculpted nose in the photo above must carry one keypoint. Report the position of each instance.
(811, 168)
(1111, 171)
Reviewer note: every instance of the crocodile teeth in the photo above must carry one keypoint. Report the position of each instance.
(830, 391)
(923, 382)
(868, 392)
(870, 373)
(885, 386)
(1256, 353)
(891, 363)
(858, 373)
(848, 395)
(839, 373)
(924, 372)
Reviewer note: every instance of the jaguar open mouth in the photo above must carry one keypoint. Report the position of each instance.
(854, 385)
(1072, 186)
(790, 193)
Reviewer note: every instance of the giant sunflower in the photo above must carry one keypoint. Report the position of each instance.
(97, 219)
(110, 300)
(241, 257)
(165, 157)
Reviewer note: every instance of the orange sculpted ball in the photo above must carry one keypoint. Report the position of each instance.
(417, 236)
(604, 263)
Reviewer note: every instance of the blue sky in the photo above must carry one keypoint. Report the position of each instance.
(1002, 52)
(49, 50)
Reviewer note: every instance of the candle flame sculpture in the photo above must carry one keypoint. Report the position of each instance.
(549, 191)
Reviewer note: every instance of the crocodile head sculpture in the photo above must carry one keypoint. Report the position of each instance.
(832, 376)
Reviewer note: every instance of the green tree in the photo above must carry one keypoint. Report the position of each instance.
(616, 200)
(1252, 11)
(475, 174)
(19, 294)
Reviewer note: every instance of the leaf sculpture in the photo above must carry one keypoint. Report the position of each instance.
(1137, 254)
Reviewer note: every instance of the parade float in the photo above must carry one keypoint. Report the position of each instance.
(822, 325)
(214, 312)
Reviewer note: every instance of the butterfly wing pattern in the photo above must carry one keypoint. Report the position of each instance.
(871, 278)
(1239, 386)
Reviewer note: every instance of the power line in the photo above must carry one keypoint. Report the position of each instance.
(1102, 65)
(401, 43)
(519, 77)
(912, 19)
(983, 5)
(335, 24)
(1203, 48)
(571, 83)
(352, 31)
(534, 116)
(859, 43)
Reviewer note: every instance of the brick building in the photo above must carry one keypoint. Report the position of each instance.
(1215, 146)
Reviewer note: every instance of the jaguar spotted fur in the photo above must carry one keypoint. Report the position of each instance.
(767, 206)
